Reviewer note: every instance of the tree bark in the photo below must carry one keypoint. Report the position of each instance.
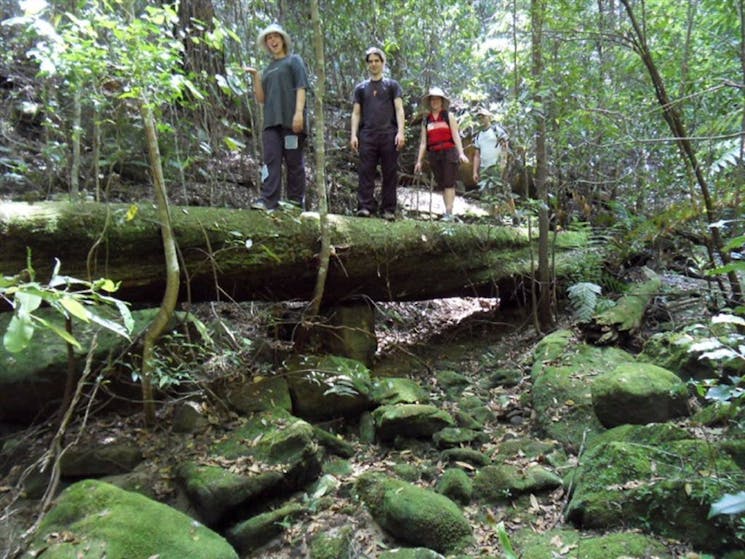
(256, 256)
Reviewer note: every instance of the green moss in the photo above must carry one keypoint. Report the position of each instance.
(568, 543)
(666, 489)
(331, 546)
(414, 515)
(456, 485)
(116, 524)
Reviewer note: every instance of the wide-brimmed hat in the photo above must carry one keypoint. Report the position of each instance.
(273, 28)
(435, 92)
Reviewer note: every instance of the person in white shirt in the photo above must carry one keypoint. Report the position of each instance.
(491, 146)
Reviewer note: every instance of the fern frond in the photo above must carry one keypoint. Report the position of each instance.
(583, 298)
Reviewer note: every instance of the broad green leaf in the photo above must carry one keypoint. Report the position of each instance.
(18, 334)
(61, 332)
(75, 308)
(110, 325)
(27, 302)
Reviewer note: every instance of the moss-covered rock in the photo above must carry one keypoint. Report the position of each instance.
(466, 455)
(666, 489)
(334, 545)
(100, 459)
(562, 375)
(260, 529)
(450, 437)
(96, 520)
(501, 483)
(638, 393)
(329, 386)
(578, 545)
(456, 486)
(396, 390)
(671, 351)
(272, 453)
(261, 394)
(414, 515)
(409, 420)
(32, 382)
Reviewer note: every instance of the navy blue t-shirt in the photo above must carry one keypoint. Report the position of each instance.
(378, 113)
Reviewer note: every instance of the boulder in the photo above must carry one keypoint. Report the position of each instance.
(562, 372)
(638, 393)
(100, 459)
(326, 387)
(95, 519)
(659, 482)
(414, 515)
(260, 529)
(501, 483)
(273, 453)
(409, 420)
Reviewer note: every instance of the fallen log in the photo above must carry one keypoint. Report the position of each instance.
(249, 255)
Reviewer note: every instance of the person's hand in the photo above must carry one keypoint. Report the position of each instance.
(463, 158)
(418, 167)
(399, 141)
(354, 144)
(251, 70)
(297, 122)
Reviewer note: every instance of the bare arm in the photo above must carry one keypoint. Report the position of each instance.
(258, 86)
(476, 165)
(422, 149)
(456, 138)
(297, 118)
(353, 141)
(398, 104)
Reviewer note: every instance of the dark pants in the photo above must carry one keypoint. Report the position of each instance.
(274, 152)
(444, 165)
(376, 148)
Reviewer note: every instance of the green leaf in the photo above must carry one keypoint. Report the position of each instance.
(19, 333)
(504, 539)
(75, 308)
(61, 332)
(26, 301)
(110, 325)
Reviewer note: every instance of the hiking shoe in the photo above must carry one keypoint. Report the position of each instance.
(389, 216)
(260, 205)
(362, 212)
(448, 217)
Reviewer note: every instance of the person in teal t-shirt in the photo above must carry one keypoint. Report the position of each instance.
(281, 89)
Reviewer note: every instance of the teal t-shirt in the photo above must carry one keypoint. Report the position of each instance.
(281, 80)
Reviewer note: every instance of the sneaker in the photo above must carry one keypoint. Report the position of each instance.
(389, 216)
(362, 212)
(448, 217)
(260, 205)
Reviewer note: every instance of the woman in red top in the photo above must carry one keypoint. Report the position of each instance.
(441, 141)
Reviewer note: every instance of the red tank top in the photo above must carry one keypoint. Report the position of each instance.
(439, 135)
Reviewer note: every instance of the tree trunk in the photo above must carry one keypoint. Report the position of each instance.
(170, 295)
(675, 122)
(545, 319)
(256, 256)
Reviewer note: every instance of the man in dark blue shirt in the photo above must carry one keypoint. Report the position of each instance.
(377, 135)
